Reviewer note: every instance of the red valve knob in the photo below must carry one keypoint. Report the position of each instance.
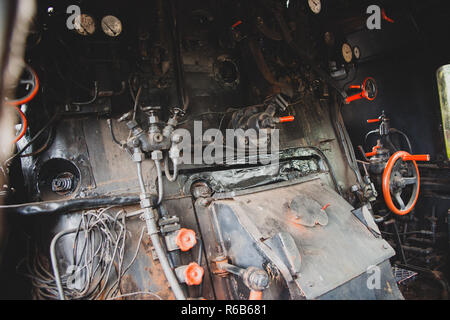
(194, 274)
(186, 239)
(373, 120)
(287, 119)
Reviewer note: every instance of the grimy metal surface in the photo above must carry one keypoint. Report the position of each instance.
(332, 255)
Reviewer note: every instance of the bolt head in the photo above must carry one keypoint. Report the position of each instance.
(138, 157)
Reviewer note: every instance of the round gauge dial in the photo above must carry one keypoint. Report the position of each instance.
(347, 52)
(357, 52)
(315, 6)
(111, 26)
(85, 25)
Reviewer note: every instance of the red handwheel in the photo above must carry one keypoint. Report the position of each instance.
(369, 91)
(401, 171)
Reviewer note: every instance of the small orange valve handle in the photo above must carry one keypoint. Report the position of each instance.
(373, 121)
(287, 119)
(398, 182)
(236, 24)
(194, 274)
(186, 239)
(421, 157)
(355, 97)
(255, 295)
(369, 91)
(374, 152)
(385, 17)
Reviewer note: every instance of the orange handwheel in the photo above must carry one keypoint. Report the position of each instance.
(394, 182)
(369, 91)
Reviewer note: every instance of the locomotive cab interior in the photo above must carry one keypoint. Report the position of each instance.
(224, 150)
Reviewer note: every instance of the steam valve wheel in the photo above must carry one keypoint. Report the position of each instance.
(369, 91)
(400, 174)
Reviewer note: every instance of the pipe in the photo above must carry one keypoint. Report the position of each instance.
(256, 280)
(55, 261)
(183, 97)
(175, 169)
(93, 99)
(160, 181)
(55, 116)
(111, 130)
(153, 232)
(168, 271)
(64, 206)
(140, 177)
(405, 137)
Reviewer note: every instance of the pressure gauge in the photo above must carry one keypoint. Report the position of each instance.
(315, 6)
(111, 26)
(347, 52)
(85, 25)
(356, 52)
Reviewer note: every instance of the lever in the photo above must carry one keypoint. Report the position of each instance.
(368, 89)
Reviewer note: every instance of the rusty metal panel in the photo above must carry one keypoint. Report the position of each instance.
(331, 255)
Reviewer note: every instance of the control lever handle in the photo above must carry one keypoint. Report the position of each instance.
(369, 91)
(286, 119)
(374, 152)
